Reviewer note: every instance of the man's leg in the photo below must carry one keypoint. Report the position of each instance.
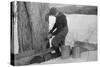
(55, 44)
(57, 50)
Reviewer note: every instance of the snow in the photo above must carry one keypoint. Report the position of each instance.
(85, 57)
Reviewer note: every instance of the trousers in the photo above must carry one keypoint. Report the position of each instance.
(59, 40)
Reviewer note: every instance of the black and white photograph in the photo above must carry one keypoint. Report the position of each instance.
(52, 33)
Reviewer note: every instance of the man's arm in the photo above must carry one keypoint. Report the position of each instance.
(58, 30)
(47, 20)
(54, 27)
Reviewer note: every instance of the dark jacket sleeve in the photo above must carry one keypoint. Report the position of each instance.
(56, 32)
(54, 27)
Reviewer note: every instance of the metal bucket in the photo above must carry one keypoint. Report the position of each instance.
(76, 52)
(65, 52)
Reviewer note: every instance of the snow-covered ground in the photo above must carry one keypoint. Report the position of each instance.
(85, 57)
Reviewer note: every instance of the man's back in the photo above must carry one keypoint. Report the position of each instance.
(60, 23)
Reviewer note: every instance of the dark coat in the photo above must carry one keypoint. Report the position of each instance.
(60, 24)
(61, 30)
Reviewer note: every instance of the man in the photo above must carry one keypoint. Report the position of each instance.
(59, 30)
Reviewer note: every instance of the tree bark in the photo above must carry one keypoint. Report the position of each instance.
(24, 29)
(37, 12)
(32, 27)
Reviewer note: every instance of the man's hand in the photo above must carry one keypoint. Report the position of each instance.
(49, 36)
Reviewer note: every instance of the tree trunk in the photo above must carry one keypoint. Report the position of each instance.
(24, 28)
(32, 27)
(37, 12)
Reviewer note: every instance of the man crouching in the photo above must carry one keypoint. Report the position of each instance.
(59, 30)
